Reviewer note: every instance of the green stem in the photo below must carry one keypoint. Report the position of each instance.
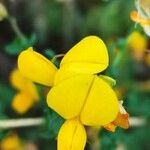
(23, 122)
(16, 28)
(57, 56)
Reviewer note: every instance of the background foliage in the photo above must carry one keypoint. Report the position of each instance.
(53, 27)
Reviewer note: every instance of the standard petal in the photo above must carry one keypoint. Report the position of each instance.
(88, 56)
(72, 136)
(67, 98)
(22, 102)
(101, 106)
(22, 83)
(36, 67)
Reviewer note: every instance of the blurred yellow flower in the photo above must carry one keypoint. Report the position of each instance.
(138, 45)
(77, 93)
(27, 93)
(137, 42)
(142, 15)
(11, 142)
(3, 12)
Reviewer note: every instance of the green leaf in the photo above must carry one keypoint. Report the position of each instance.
(17, 45)
(49, 53)
(6, 94)
(53, 124)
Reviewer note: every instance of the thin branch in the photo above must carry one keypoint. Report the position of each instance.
(57, 56)
(17, 123)
(16, 28)
(137, 121)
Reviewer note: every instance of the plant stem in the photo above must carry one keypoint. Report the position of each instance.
(57, 56)
(17, 123)
(137, 121)
(16, 28)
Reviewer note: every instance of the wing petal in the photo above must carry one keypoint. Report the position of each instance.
(36, 67)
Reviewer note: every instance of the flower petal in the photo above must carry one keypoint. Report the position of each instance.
(147, 29)
(110, 127)
(72, 136)
(67, 98)
(22, 102)
(122, 120)
(88, 56)
(137, 42)
(36, 67)
(63, 74)
(21, 83)
(101, 106)
(139, 19)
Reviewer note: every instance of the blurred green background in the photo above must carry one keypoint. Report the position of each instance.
(53, 27)
(59, 24)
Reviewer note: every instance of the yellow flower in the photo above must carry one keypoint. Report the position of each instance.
(138, 44)
(142, 15)
(11, 142)
(27, 93)
(77, 93)
(139, 19)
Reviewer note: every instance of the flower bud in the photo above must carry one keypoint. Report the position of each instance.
(3, 12)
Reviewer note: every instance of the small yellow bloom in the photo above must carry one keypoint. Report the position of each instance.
(142, 15)
(11, 142)
(27, 94)
(3, 12)
(139, 19)
(137, 42)
(138, 45)
(78, 94)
